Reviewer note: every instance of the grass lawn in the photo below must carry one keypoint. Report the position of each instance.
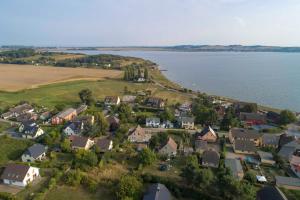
(4, 126)
(12, 149)
(74, 193)
(291, 194)
(67, 93)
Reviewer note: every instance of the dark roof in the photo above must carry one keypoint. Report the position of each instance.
(171, 143)
(157, 192)
(283, 180)
(270, 193)
(270, 139)
(244, 133)
(75, 126)
(187, 119)
(111, 99)
(252, 116)
(113, 120)
(211, 156)
(35, 150)
(21, 108)
(285, 138)
(79, 141)
(206, 130)
(234, 165)
(244, 145)
(103, 143)
(201, 144)
(15, 172)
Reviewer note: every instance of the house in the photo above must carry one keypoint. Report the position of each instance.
(169, 149)
(244, 134)
(153, 122)
(200, 146)
(33, 153)
(18, 110)
(270, 193)
(45, 116)
(266, 158)
(240, 106)
(269, 140)
(157, 192)
(295, 165)
(235, 167)
(73, 128)
(185, 107)
(221, 110)
(210, 158)
(273, 117)
(19, 175)
(207, 134)
(79, 142)
(30, 130)
(104, 144)
(288, 182)
(285, 139)
(289, 149)
(85, 119)
(114, 122)
(81, 109)
(167, 124)
(186, 122)
(112, 101)
(244, 146)
(128, 99)
(64, 116)
(155, 102)
(138, 135)
(27, 117)
(253, 118)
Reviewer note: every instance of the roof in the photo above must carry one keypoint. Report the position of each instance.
(157, 192)
(270, 139)
(128, 98)
(81, 108)
(234, 165)
(288, 149)
(113, 120)
(155, 100)
(285, 138)
(103, 143)
(201, 144)
(244, 133)
(211, 156)
(261, 178)
(111, 99)
(206, 130)
(270, 192)
(265, 155)
(252, 116)
(15, 172)
(139, 134)
(79, 141)
(244, 145)
(65, 112)
(284, 180)
(295, 160)
(75, 126)
(35, 150)
(21, 108)
(187, 119)
(152, 119)
(171, 143)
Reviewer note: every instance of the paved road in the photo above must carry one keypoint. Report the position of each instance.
(156, 130)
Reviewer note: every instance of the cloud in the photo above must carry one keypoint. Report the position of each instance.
(241, 22)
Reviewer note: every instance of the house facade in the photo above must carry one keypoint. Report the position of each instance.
(112, 101)
(153, 122)
(207, 134)
(78, 142)
(138, 135)
(186, 123)
(19, 175)
(64, 116)
(169, 149)
(244, 134)
(36, 152)
(155, 102)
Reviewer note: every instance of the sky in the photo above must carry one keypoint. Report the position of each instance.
(149, 22)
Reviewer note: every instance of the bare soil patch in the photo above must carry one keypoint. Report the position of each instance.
(18, 77)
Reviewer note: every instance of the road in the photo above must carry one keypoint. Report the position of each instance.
(157, 130)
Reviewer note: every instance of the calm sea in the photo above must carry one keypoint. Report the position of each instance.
(271, 79)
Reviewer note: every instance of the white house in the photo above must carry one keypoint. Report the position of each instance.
(33, 153)
(153, 122)
(19, 175)
(30, 130)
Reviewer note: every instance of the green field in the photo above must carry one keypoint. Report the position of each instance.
(12, 149)
(4, 126)
(67, 93)
(291, 194)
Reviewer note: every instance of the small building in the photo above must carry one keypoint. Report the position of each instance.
(266, 158)
(185, 107)
(114, 122)
(244, 134)
(295, 165)
(288, 182)
(269, 140)
(167, 124)
(169, 149)
(253, 118)
(153, 122)
(45, 116)
(155, 102)
(186, 122)
(73, 128)
(261, 179)
(285, 139)
(104, 144)
(244, 147)
(235, 167)
(289, 149)
(210, 158)
(36, 152)
(30, 130)
(138, 135)
(128, 99)
(79, 142)
(270, 193)
(157, 192)
(207, 134)
(64, 116)
(19, 175)
(112, 101)
(27, 117)
(17, 111)
(201, 146)
(81, 109)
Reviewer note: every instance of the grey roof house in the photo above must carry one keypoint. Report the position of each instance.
(35, 152)
(270, 140)
(288, 182)
(210, 158)
(244, 147)
(236, 168)
(288, 149)
(157, 192)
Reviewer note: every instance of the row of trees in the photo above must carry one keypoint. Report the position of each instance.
(134, 73)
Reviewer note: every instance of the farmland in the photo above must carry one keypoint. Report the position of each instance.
(19, 77)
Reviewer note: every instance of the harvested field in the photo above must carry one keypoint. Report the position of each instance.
(19, 77)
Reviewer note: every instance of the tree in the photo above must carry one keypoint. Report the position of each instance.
(129, 187)
(229, 120)
(85, 96)
(125, 112)
(167, 115)
(287, 116)
(250, 177)
(147, 156)
(101, 125)
(249, 108)
(85, 158)
(191, 168)
(204, 177)
(146, 74)
(66, 145)
(158, 140)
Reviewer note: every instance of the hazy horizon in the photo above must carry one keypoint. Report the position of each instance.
(112, 23)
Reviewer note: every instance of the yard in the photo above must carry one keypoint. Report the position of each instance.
(12, 149)
(291, 194)
(4, 126)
